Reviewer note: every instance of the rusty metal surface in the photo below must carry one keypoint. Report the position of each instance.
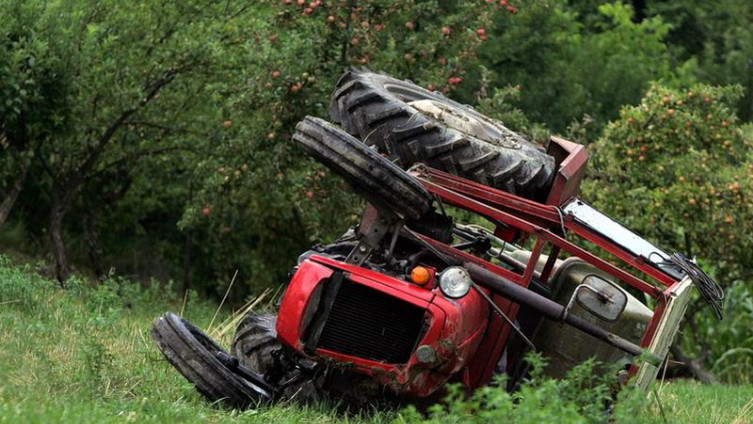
(565, 346)
(552, 310)
(677, 302)
(455, 327)
(571, 160)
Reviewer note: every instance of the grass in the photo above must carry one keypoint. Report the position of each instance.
(691, 402)
(84, 355)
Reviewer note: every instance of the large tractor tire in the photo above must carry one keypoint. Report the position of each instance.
(411, 125)
(255, 340)
(198, 358)
(375, 178)
(254, 345)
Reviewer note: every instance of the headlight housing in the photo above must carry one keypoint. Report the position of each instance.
(455, 282)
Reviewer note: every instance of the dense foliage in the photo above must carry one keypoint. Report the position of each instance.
(577, 398)
(153, 138)
(183, 113)
(678, 168)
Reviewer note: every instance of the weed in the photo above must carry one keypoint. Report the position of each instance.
(581, 397)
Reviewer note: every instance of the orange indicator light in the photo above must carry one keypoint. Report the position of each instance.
(420, 275)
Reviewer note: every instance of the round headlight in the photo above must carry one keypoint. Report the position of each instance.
(455, 282)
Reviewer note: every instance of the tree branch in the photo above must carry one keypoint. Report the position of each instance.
(152, 90)
(118, 193)
(45, 165)
(694, 365)
(138, 155)
(239, 12)
(164, 127)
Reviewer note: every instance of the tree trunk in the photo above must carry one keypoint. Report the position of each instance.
(10, 199)
(639, 7)
(187, 261)
(92, 240)
(57, 212)
(694, 366)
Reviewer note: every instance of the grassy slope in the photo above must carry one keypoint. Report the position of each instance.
(84, 355)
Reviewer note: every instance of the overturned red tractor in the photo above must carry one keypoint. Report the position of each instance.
(411, 298)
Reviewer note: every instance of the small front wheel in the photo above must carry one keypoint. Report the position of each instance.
(205, 364)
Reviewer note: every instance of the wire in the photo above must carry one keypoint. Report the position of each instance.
(562, 220)
(502, 315)
(444, 258)
(710, 291)
(453, 261)
(660, 255)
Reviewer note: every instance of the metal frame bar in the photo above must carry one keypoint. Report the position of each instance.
(546, 223)
(457, 199)
(530, 212)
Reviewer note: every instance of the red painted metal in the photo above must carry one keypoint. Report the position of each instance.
(544, 215)
(455, 327)
(571, 160)
(300, 289)
(648, 335)
(535, 255)
(494, 343)
(661, 304)
(457, 199)
(468, 337)
(534, 214)
(482, 367)
(549, 266)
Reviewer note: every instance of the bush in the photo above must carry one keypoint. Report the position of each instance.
(678, 169)
(581, 397)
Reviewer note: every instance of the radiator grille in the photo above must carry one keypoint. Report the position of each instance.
(373, 325)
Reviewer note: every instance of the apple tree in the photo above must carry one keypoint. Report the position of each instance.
(678, 169)
(259, 202)
(97, 88)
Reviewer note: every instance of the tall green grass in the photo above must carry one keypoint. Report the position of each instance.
(84, 354)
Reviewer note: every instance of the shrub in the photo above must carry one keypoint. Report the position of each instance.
(678, 169)
(581, 397)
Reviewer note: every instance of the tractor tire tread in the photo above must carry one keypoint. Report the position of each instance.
(368, 110)
(378, 180)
